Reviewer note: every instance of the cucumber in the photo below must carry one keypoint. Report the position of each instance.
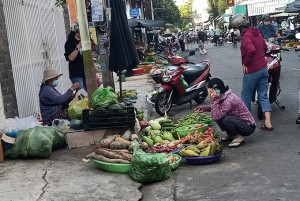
(167, 125)
(165, 121)
(167, 128)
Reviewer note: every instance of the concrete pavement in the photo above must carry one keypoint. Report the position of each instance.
(266, 168)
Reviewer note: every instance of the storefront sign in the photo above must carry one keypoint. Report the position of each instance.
(134, 12)
(97, 13)
(266, 6)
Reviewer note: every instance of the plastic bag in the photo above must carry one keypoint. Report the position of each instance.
(16, 124)
(62, 125)
(104, 97)
(147, 168)
(37, 142)
(76, 106)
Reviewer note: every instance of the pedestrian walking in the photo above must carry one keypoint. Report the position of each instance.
(181, 41)
(73, 54)
(202, 38)
(229, 112)
(255, 70)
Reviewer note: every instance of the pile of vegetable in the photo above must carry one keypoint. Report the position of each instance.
(173, 159)
(106, 98)
(165, 147)
(195, 137)
(126, 141)
(203, 149)
(194, 118)
(111, 156)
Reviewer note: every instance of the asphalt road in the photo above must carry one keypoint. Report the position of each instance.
(266, 167)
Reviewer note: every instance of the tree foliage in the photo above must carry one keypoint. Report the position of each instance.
(166, 10)
(186, 9)
(222, 6)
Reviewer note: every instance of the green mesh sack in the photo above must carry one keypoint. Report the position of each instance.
(104, 97)
(146, 168)
(36, 142)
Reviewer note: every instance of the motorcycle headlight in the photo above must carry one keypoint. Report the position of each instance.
(166, 79)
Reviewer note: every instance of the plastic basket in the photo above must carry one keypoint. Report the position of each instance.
(115, 118)
(203, 160)
(185, 130)
(176, 164)
(113, 167)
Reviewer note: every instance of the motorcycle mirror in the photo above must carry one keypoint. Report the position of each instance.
(192, 53)
(298, 35)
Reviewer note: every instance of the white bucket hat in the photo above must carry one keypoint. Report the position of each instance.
(50, 73)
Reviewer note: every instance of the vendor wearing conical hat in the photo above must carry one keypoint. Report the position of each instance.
(53, 104)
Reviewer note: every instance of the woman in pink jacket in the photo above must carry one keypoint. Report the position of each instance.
(229, 112)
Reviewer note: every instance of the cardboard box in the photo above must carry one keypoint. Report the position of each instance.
(77, 139)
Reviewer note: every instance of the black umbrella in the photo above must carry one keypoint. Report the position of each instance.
(123, 55)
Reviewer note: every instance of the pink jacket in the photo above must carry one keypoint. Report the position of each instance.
(253, 49)
(228, 104)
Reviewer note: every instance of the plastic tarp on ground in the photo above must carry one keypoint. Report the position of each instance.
(138, 23)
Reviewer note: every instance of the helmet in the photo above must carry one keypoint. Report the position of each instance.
(265, 17)
(237, 21)
(75, 27)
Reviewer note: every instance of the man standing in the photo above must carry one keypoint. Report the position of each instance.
(266, 29)
(217, 35)
(255, 70)
(202, 38)
(73, 54)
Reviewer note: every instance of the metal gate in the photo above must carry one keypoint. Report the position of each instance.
(36, 37)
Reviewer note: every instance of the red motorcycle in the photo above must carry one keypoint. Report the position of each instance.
(273, 58)
(181, 83)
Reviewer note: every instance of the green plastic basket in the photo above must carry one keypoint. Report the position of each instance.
(185, 130)
(113, 167)
(177, 163)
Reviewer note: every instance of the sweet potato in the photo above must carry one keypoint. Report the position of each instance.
(108, 154)
(126, 156)
(114, 150)
(107, 141)
(120, 139)
(117, 145)
(91, 155)
(108, 160)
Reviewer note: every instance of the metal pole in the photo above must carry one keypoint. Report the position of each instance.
(89, 69)
(152, 11)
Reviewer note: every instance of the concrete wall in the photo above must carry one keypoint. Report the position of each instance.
(8, 101)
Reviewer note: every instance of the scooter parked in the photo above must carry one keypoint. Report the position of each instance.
(182, 83)
(273, 57)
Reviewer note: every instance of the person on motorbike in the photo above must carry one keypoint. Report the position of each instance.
(229, 112)
(267, 29)
(161, 39)
(253, 49)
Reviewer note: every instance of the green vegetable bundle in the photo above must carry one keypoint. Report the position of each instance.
(194, 118)
(147, 168)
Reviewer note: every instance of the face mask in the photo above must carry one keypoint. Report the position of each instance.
(266, 23)
(55, 83)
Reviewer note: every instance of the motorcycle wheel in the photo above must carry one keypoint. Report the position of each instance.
(260, 114)
(201, 98)
(162, 105)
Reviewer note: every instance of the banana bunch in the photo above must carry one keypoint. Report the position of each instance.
(129, 93)
(203, 149)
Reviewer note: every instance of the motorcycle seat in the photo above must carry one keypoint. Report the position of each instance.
(193, 72)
